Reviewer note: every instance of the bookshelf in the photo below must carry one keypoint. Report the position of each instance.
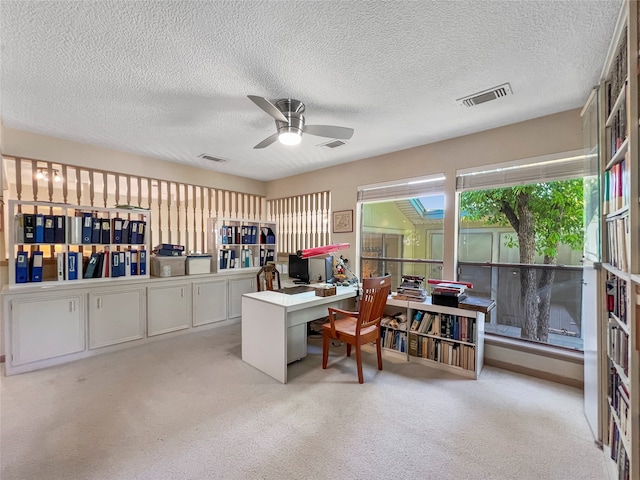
(75, 244)
(237, 244)
(619, 356)
(438, 336)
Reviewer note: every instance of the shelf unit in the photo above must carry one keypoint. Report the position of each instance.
(241, 244)
(455, 341)
(619, 357)
(68, 239)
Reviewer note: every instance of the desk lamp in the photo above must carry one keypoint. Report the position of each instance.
(329, 250)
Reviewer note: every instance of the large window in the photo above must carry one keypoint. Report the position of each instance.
(521, 242)
(402, 229)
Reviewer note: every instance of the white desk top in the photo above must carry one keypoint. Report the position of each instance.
(300, 300)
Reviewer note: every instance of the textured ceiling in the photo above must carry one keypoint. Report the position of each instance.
(170, 79)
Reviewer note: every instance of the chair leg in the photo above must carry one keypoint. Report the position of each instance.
(325, 348)
(379, 352)
(359, 363)
(348, 349)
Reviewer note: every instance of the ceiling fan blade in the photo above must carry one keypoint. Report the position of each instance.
(268, 107)
(267, 141)
(331, 131)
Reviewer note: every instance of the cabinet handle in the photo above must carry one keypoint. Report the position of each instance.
(198, 291)
(99, 302)
(182, 292)
(72, 306)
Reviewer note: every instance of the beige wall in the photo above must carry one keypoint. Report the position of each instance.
(546, 135)
(41, 147)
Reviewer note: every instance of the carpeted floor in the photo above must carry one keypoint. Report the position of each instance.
(187, 407)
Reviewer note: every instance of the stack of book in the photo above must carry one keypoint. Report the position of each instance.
(448, 293)
(168, 250)
(411, 288)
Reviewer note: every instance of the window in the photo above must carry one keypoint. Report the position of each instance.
(520, 242)
(402, 228)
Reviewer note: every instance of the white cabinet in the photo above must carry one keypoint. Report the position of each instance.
(209, 301)
(238, 286)
(116, 316)
(168, 308)
(45, 328)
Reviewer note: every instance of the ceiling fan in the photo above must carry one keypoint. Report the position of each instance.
(290, 123)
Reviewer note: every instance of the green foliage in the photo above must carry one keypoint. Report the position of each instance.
(557, 209)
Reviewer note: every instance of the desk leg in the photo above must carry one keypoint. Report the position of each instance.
(264, 337)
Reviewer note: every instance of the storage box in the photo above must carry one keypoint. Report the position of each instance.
(325, 291)
(167, 266)
(197, 264)
(447, 300)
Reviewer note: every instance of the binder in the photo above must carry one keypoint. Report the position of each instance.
(105, 231)
(232, 259)
(39, 228)
(59, 229)
(96, 225)
(142, 228)
(117, 230)
(126, 231)
(29, 228)
(36, 266)
(127, 263)
(134, 262)
(254, 234)
(97, 272)
(121, 264)
(115, 264)
(49, 231)
(133, 231)
(22, 267)
(142, 262)
(60, 264)
(74, 228)
(91, 266)
(87, 226)
(106, 263)
(74, 259)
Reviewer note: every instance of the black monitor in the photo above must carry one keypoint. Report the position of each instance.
(299, 269)
(328, 270)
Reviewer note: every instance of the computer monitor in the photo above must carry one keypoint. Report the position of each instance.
(299, 269)
(328, 270)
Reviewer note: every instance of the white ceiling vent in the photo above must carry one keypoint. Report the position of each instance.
(334, 144)
(212, 158)
(486, 95)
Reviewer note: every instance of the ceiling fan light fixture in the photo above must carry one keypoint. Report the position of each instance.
(290, 137)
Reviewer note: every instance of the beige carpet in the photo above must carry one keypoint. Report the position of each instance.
(187, 407)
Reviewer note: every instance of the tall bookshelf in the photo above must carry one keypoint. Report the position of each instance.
(620, 281)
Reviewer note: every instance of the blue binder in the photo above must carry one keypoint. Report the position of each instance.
(142, 262)
(133, 231)
(59, 229)
(115, 264)
(122, 265)
(105, 231)
(49, 233)
(87, 226)
(22, 267)
(73, 260)
(36, 266)
(134, 262)
(39, 228)
(29, 228)
(96, 224)
(117, 230)
(126, 231)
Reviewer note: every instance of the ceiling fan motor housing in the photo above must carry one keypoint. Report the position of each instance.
(292, 109)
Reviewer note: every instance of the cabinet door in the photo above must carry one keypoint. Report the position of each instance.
(238, 287)
(116, 317)
(168, 308)
(209, 302)
(46, 328)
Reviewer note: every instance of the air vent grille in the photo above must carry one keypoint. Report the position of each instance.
(212, 158)
(334, 144)
(486, 95)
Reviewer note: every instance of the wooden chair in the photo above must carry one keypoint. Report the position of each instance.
(270, 271)
(361, 327)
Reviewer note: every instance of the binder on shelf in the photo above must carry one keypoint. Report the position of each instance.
(106, 264)
(60, 265)
(49, 229)
(87, 225)
(134, 225)
(117, 230)
(134, 262)
(75, 230)
(115, 264)
(126, 231)
(142, 227)
(29, 228)
(91, 266)
(121, 264)
(127, 263)
(18, 228)
(39, 228)
(97, 272)
(74, 262)
(105, 231)
(59, 229)
(36, 266)
(142, 262)
(22, 267)
(95, 229)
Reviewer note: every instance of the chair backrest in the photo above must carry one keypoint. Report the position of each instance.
(374, 298)
(270, 271)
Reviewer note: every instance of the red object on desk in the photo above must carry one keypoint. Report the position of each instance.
(433, 281)
(326, 250)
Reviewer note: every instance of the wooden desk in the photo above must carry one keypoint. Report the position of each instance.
(274, 326)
